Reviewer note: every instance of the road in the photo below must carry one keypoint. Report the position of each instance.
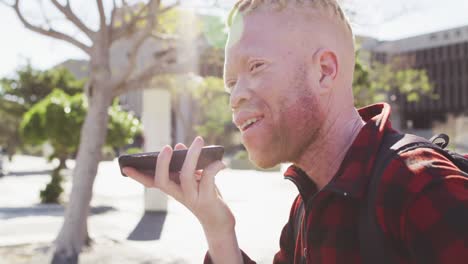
(259, 200)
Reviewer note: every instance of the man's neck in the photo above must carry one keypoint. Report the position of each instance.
(323, 158)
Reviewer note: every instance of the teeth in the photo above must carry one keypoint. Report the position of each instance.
(248, 123)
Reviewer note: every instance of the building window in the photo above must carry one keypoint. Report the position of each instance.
(450, 72)
(460, 93)
(441, 71)
(451, 51)
(460, 50)
(460, 69)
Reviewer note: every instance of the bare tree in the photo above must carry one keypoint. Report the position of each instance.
(134, 24)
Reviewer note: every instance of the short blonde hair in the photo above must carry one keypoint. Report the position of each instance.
(245, 6)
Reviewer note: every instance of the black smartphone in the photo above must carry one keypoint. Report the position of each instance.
(146, 162)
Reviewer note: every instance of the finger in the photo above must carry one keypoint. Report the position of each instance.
(218, 192)
(207, 183)
(161, 175)
(175, 177)
(146, 180)
(188, 182)
(180, 146)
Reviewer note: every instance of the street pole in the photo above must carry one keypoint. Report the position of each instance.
(156, 117)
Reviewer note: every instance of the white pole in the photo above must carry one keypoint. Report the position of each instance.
(156, 117)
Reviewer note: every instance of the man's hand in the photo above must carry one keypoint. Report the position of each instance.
(196, 190)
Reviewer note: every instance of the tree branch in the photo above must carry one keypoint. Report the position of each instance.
(113, 14)
(50, 32)
(127, 28)
(102, 15)
(152, 8)
(145, 77)
(166, 62)
(68, 13)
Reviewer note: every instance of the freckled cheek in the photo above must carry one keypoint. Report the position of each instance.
(290, 120)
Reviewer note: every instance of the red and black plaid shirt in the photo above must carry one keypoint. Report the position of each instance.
(422, 205)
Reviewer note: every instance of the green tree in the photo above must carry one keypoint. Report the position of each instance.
(374, 83)
(57, 119)
(117, 31)
(214, 120)
(21, 92)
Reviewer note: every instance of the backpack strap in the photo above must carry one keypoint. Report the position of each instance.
(374, 246)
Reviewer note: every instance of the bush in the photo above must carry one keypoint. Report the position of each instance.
(134, 150)
(53, 189)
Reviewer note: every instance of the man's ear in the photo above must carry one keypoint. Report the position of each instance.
(327, 63)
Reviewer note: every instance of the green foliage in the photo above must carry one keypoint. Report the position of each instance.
(213, 29)
(58, 120)
(373, 84)
(211, 115)
(29, 85)
(134, 151)
(176, 19)
(122, 128)
(214, 112)
(53, 190)
(26, 88)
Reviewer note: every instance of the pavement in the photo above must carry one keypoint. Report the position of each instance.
(123, 232)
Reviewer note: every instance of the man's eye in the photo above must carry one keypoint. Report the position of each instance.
(256, 66)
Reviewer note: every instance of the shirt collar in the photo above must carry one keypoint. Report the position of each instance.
(352, 176)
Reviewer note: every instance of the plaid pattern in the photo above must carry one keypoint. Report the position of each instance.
(422, 205)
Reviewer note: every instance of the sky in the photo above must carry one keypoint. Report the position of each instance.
(382, 19)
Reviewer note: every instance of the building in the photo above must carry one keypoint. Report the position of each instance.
(444, 56)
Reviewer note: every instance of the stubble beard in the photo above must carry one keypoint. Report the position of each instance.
(299, 124)
(302, 119)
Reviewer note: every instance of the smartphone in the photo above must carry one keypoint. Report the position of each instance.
(146, 162)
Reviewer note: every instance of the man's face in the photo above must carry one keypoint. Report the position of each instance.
(273, 87)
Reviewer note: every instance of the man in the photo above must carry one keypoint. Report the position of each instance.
(289, 70)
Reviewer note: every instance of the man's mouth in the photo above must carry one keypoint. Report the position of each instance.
(250, 122)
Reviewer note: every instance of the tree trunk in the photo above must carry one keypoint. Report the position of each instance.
(62, 162)
(74, 233)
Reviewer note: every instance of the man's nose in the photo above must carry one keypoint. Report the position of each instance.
(240, 94)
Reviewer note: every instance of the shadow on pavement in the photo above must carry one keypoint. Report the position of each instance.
(149, 227)
(45, 210)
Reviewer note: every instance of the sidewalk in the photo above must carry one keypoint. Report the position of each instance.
(124, 234)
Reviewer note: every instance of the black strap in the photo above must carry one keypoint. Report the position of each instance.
(373, 244)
